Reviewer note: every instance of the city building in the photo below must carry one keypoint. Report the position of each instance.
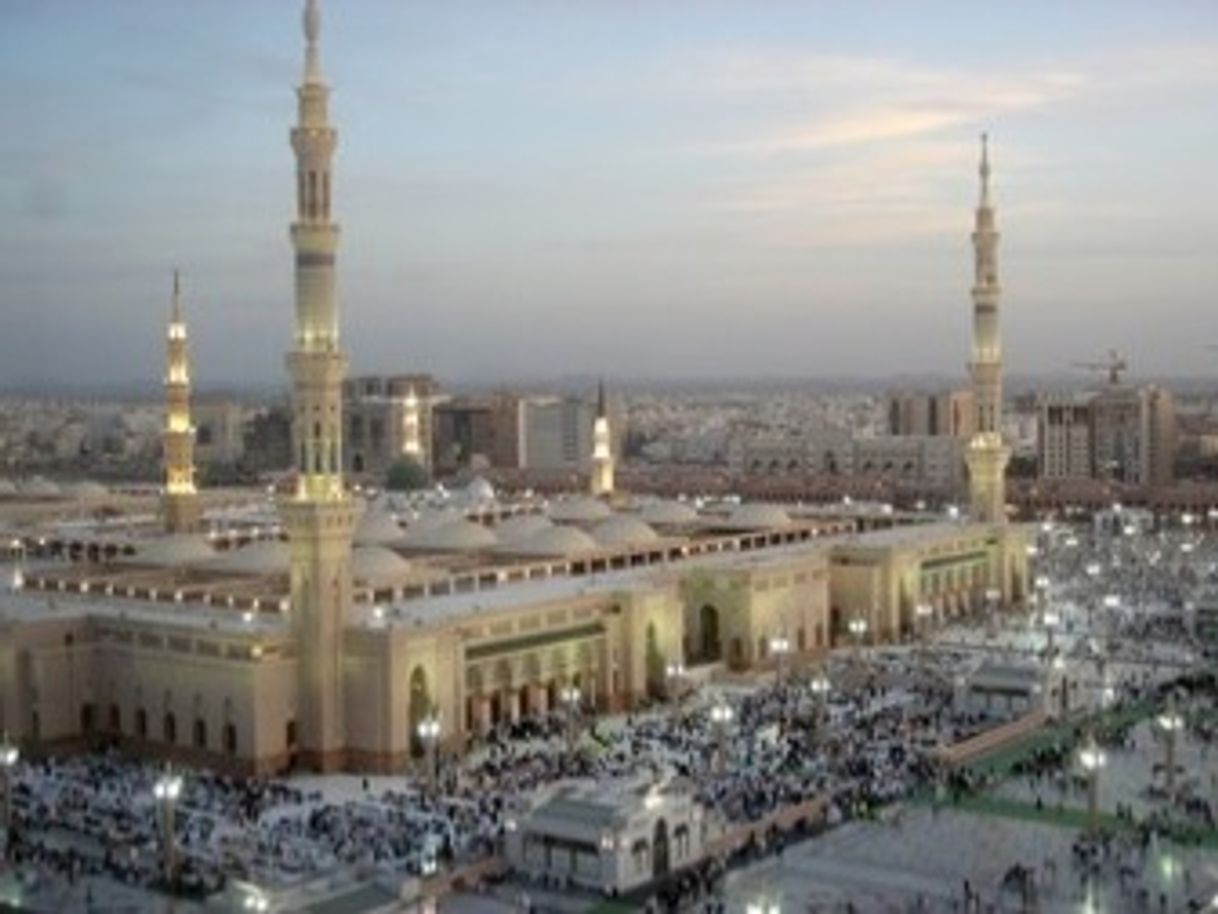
(1063, 435)
(388, 419)
(478, 433)
(948, 413)
(1119, 433)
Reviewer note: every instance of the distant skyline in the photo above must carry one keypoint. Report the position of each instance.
(657, 189)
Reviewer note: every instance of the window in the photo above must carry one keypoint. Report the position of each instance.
(169, 728)
(200, 733)
(141, 723)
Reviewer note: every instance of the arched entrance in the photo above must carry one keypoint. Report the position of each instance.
(711, 648)
(659, 851)
(419, 704)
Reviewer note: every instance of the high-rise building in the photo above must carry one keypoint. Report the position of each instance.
(388, 418)
(320, 515)
(558, 433)
(180, 503)
(1063, 435)
(947, 413)
(1125, 434)
(477, 432)
(987, 453)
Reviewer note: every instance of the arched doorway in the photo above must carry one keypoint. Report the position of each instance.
(659, 851)
(419, 704)
(711, 648)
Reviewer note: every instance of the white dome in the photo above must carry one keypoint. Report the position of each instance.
(556, 541)
(260, 558)
(39, 487)
(376, 565)
(668, 513)
(456, 536)
(479, 490)
(623, 530)
(432, 518)
(582, 510)
(521, 527)
(376, 528)
(87, 489)
(173, 550)
(757, 516)
(7, 487)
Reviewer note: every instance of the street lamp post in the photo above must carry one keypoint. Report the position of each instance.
(922, 616)
(820, 687)
(1092, 760)
(1171, 723)
(721, 716)
(780, 646)
(429, 734)
(674, 673)
(1051, 620)
(858, 629)
(570, 697)
(9, 754)
(167, 789)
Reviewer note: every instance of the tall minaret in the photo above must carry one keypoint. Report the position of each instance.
(601, 478)
(180, 503)
(320, 516)
(987, 454)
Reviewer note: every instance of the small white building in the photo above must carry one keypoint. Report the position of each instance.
(609, 837)
(996, 686)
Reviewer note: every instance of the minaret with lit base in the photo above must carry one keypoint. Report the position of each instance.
(601, 478)
(987, 453)
(319, 516)
(180, 503)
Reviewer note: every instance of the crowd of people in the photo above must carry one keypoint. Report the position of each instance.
(870, 741)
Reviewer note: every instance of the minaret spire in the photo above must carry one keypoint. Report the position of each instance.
(320, 515)
(180, 505)
(987, 454)
(600, 480)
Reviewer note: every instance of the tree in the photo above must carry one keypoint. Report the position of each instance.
(406, 475)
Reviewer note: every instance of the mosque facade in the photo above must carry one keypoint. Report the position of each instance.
(322, 635)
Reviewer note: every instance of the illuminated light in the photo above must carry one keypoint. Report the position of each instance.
(256, 651)
(247, 617)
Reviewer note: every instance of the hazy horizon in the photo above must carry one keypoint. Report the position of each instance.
(659, 190)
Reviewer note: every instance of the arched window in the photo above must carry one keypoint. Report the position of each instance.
(141, 723)
(200, 733)
(230, 739)
(169, 728)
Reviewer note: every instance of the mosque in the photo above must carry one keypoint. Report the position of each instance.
(310, 629)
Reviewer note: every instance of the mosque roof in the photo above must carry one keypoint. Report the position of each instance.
(755, 516)
(668, 513)
(173, 550)
(377, 527)
(264, 557)
(455, 536)
(623, 530)
(520, 527)
(556, 541)
(580, 510)
(40, 488)
(376, 565)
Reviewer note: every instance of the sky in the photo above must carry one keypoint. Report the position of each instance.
(635, 188)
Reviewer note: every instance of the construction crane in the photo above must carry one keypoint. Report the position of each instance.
(1113, 365)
